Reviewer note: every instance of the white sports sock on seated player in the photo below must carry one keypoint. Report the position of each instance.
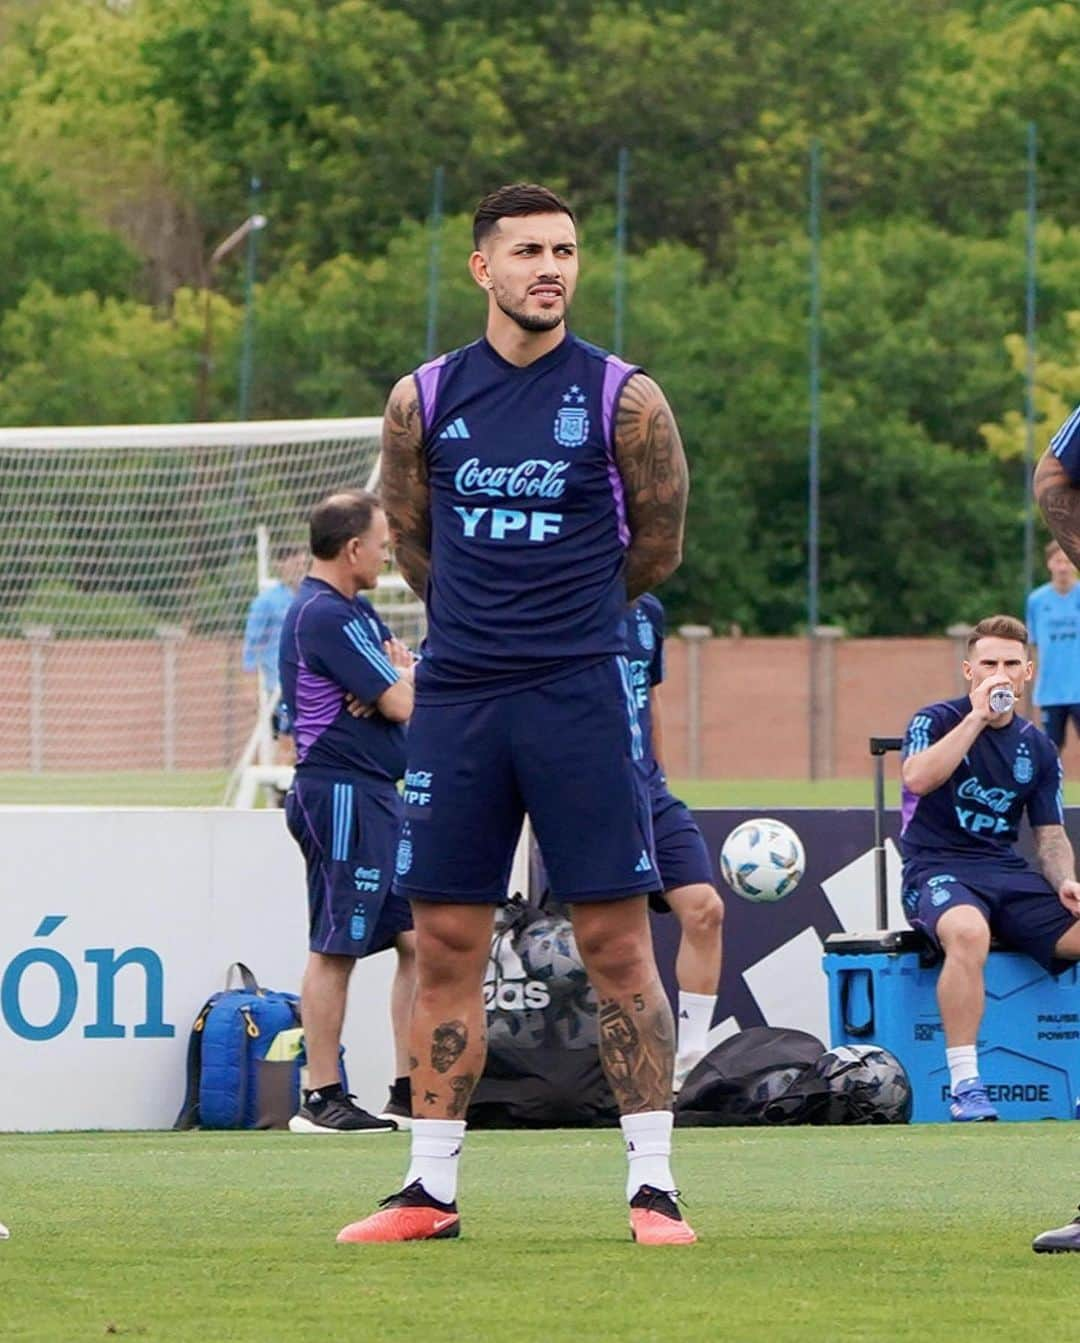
(963, 1061)
(695, 1017)
(648, 1149)
(436, 1146)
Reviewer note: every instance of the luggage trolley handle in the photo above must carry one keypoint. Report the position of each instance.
(879, 748)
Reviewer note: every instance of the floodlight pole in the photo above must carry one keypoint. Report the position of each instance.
(434, 260)
(1029, 371)
(252, 224)
(814, 455)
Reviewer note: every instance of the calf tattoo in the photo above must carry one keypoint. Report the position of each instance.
(448, 1042)
(462, 1088)
(637, 1050)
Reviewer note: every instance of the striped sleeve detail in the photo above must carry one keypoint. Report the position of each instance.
(361, 640)
(918, 734)
(1066, 434)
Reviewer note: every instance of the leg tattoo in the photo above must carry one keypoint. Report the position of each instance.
(448, 1042)
(637, 1049)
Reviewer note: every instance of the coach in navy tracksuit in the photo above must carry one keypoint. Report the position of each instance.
(347, 692)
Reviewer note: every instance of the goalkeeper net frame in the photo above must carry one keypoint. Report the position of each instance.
(130, 558)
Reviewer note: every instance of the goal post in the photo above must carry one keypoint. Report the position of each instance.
(129, 559)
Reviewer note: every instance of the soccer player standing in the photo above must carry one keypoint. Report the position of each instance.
(1057, 488)
(686, 875)
(1053, 622)
(533, 483)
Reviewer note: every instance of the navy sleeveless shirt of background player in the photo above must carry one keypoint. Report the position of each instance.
(330, 645)
(528, 518)
(973, 819)
(645, 653)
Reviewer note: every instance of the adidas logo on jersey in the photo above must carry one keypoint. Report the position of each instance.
(644, 863)
(456, 429)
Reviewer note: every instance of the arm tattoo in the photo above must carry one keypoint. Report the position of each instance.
(652, 464)
(403, 485)
(430, 1097)
(1054, 854)
(462, 1087)
(1060, 506)
(638, 1053)
(414, 1063)
(448, 1042)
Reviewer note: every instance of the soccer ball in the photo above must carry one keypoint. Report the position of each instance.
(548, 951)
(762, 859)
(872, 1082)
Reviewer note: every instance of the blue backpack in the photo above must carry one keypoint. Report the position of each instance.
(230, 1081)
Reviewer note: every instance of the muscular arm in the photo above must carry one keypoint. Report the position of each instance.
(1059, 500)
(1054, 854)
(652, 464)
(929, 769)
(403, 485)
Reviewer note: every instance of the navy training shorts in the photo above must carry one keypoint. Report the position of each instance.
(567, 752)
(1019, 904)
(347, 828)
(1055, 719)
(681, 854)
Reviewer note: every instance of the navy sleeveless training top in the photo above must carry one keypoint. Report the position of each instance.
(528, 519)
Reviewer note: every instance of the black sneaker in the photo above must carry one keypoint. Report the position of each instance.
(410, 1215)
(399, 1106)
(336, 1114)
(1059, 1241)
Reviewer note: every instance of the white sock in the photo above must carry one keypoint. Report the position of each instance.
(695, 1017)
(436, 1146)
(963, 1064)
(648, 1149)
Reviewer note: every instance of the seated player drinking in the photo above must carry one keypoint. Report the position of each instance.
(685, 870)
(972, 767)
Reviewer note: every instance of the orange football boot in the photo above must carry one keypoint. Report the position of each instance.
(411, 1215)
(655, 1218)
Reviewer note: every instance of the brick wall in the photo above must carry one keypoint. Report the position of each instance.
(102, 705)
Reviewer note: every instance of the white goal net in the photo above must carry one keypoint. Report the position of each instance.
(129, 562)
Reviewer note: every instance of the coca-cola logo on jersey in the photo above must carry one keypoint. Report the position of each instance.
(533, 478)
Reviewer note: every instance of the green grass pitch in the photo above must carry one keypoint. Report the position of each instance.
(890, 1234)
(206, 788)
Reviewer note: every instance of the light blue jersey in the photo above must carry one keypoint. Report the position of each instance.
(1053, 621)
(262, 634)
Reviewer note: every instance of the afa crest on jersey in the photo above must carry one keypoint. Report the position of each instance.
(645, 633)
(1023, 769)
(572, 420)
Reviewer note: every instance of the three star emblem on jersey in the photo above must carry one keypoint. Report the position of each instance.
(572, 421)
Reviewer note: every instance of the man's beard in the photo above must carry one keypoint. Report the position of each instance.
(530, 321)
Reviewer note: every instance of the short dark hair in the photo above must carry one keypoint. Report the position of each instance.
(522, 198)
(339, 517)
(285, 550)
(1052, 548)
(998, 627)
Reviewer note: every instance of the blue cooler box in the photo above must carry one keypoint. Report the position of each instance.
(1029, 1043)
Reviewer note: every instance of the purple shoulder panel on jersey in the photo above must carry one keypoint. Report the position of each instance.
(427, 381)
(318, 700)
(617, 372)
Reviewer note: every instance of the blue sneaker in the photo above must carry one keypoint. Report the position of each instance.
(971, 1105)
